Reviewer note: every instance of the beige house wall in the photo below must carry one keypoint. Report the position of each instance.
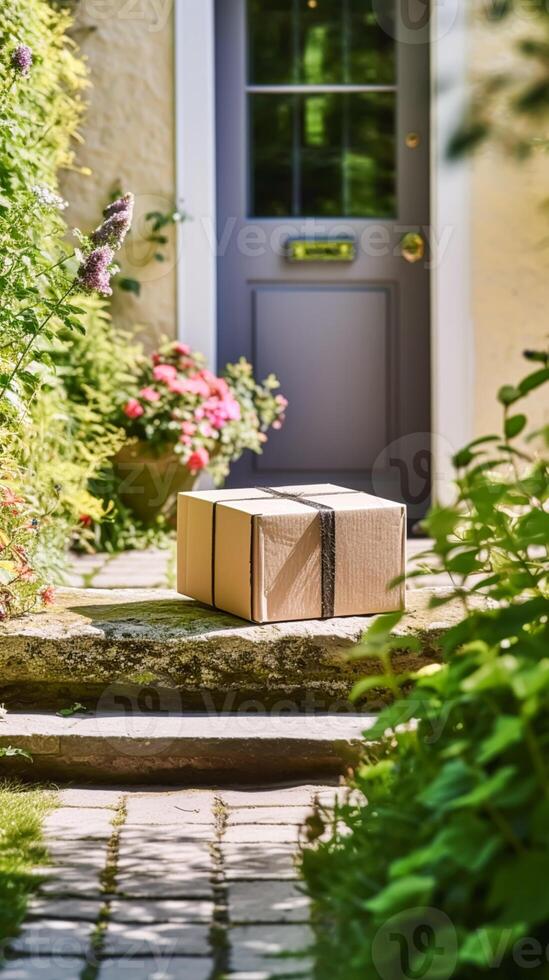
(129, 142)
(509, 249)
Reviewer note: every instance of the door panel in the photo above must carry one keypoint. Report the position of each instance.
(332, 368)
(314, 102)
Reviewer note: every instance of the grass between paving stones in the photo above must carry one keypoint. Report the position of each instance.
(22, 811)
(108, 887)
(219, 930)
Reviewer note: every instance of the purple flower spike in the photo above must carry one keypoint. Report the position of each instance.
(113, 230)
(122, 204)
(21, 59)
(93, 274)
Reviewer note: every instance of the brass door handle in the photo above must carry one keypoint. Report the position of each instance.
(412, 247)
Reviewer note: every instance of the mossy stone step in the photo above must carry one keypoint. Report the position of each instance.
(139, 651)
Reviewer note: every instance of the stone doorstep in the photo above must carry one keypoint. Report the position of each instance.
(140, 649)
(206, 749)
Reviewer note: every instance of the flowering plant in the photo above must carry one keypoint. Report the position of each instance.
(181, 406)
(22, 588)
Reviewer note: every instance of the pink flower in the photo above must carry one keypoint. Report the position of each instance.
(197, 386)
(178, 386)
(47, 595)
(189, 428)
(182, 349)
(198, 460)
(10, 499)
(25, 572)
(164, 372)
(217, 386)
(280, 400)
(189, 386)
(133, 409)
(186, 440)
(219, 411)
(207, 430)
(150, 394)
(199, 413)
(277, 424)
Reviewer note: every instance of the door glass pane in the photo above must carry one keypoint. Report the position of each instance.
(271, 59)
(329, 153)
(326, 155)
(332, 42)
(271, 139)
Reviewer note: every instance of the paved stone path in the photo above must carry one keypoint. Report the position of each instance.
(155, 568)
(161, 884)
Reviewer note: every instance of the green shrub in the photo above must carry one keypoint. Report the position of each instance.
(61, 362)
(39, 114)
(75, 416)
(439, 865)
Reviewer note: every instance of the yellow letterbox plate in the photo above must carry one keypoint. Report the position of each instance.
(321, 250)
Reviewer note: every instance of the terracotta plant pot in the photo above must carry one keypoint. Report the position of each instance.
(149, 483)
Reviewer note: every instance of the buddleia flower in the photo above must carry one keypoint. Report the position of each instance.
(21, 59)
(94, 274)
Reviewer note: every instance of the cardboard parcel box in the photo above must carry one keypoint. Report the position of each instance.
(288, 553)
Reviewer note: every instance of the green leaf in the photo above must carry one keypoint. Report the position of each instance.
(129, 285)
(464, 563)
(497, 673)
(378, 681)
(488, 946)
(508, 394)
(10, 751)
(519, 889)
(463, 458)
(73, 710)
(382, 627)
(401, 894)
(453, 781)
(514, 425)
(486, 791)
(534, 381)
(507, 731)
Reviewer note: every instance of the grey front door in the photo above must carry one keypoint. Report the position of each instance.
(323, 171)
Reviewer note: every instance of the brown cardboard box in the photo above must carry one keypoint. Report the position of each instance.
(268, 556)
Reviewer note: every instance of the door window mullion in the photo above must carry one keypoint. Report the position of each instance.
(316, 89)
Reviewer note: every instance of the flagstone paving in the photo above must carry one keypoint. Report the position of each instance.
(155, 568)
(161, 884)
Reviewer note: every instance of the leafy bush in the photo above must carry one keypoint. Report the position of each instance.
(57, 383)
(438, 866)
(40, 84)
(75, 414)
